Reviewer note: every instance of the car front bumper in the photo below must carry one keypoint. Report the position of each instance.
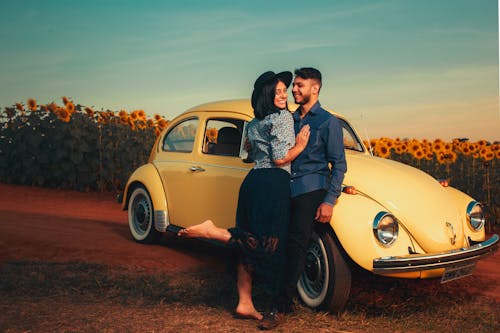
(425, 262)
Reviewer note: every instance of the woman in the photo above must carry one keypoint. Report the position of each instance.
(262, 215)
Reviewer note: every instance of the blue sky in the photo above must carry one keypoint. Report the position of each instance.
(396, 68)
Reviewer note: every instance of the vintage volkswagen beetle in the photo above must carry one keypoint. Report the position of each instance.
(392, 219)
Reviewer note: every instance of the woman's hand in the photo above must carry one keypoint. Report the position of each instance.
(302, 137)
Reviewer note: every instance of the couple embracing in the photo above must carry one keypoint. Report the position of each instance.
(290, 188)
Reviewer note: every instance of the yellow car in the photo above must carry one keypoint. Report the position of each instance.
(391, 219)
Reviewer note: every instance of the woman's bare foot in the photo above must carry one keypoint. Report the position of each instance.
(247, 312)
(202, 230)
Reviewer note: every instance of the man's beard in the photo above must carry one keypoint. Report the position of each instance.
(305, 99)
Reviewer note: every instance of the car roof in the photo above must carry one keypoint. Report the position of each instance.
(242, 106)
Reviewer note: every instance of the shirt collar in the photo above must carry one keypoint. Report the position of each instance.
(314, 110)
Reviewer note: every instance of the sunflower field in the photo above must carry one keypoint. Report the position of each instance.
(71, 146)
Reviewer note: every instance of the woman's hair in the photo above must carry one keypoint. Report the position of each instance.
(264, 104)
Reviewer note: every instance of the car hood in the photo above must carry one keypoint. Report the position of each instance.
(419, 202)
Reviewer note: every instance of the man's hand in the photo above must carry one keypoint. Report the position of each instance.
(247, 146)
(324, 213)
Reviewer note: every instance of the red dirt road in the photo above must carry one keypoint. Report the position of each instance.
(54, 225)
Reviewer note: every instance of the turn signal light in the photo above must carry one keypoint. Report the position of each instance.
(444, 182)
(349, 190)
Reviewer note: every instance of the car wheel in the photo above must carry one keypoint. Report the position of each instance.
(326, 280)
(141, 217)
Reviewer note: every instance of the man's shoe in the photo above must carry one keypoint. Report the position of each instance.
(269, 321)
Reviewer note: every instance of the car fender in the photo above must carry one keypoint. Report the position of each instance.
(147, 176)
(462, 200)
(352, 222)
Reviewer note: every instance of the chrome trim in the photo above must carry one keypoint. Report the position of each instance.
(161, 220)
(425, 262)
(376, 221)
(453, 239)
(196, 168)
(469, 209)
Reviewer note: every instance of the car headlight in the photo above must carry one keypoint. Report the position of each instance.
(475, 215)
(385, 228)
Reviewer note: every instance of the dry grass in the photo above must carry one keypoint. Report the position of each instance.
(78, 297)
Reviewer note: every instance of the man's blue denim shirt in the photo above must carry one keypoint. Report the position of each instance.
(310, 169)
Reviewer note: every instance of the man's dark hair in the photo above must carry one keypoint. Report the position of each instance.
(264, 105)
(309, 73)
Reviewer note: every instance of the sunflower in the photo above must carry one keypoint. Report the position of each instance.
(157, 117)
(90, 112)
(429, 155)
(388, 142)
(31, 104)
(482, 143)
(122, 113)
(382, 150)
(52, 107)
(419, 154)
(413, 146)
(437, 146)
(19, 106)
(162, 123)
(404, 147)
(141, 114)
(70, 107)
(102, 118)
(63, 114)
(448, 146)
(65, 100)
(124, 119)
(440, 158)
(141, 124)
(465, 148)
(451, 157)
(212, 134)
(151, 123)
(486, 153)
(131, 123)
(134, 115)
(497, 154)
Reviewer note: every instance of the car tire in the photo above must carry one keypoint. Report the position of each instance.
(141, 217)
(326, 281)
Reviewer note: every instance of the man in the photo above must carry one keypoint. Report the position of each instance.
(314, 186)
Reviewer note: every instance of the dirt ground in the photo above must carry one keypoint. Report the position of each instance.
(38, 224)
(60, 226)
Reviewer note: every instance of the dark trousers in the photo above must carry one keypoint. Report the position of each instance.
(303, 211)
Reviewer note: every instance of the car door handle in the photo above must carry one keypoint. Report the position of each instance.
(195, 168)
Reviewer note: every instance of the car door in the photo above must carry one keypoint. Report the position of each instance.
(220, 169)
(175, 162)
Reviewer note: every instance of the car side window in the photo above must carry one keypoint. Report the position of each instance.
(350, 139)
(181, 137)
(223, 137)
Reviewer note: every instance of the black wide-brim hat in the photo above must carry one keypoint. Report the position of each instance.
(285, 77)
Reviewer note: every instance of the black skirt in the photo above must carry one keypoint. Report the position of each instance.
(262, 220)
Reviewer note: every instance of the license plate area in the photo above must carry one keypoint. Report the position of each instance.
(457, 272)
